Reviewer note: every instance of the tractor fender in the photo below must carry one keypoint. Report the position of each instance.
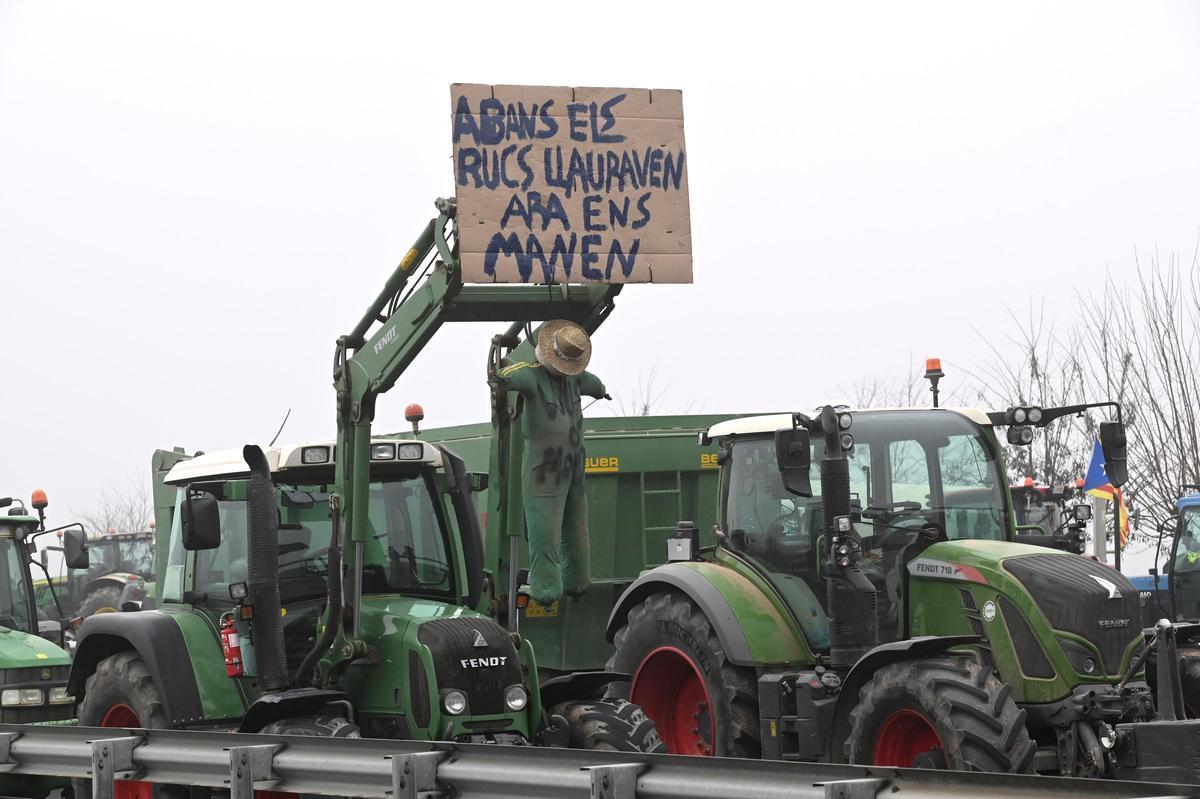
(885, 654)
(688, 579)
(158, 640)
(116, 579)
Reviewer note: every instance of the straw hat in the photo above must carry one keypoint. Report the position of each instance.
(563, 347)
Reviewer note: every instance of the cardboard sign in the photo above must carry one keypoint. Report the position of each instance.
(561, 185)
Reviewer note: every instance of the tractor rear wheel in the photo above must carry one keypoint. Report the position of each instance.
(612, 725)
(122, 693)
(105, 599)
(702, 703)
(948, 713)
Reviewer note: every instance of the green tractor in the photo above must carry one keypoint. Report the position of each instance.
(889, 613)
(33, 661)
(337, 587)
(117, 561)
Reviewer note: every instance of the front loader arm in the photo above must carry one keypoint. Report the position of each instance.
(393, 331)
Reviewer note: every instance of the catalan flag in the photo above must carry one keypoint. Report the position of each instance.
(1097, 484)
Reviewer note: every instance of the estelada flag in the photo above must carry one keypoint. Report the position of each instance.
(1097, 484)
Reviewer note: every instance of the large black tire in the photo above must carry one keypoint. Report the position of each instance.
(977, 724)
(123, 681)
(673, 634)
(1189, 678)
(104, 599)
(611, 725)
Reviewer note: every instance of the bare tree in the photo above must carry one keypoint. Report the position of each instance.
(1141, 341)
(1035, 366)
(127, 509)
(648, 397)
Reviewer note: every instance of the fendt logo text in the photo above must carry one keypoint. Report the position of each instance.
(483, 663)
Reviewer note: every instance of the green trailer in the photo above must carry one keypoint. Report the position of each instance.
(644, 474)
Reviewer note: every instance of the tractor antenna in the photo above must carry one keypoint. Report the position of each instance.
(280, 430)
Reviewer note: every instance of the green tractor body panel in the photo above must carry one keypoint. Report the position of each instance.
(220, 697)
(965, 588)
(393, 626)
(22, 650)
(772, 634)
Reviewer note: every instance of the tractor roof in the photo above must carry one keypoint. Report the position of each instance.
(1188, 501)
(228, 464)
(749, 425)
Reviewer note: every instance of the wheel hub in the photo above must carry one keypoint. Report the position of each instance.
(673, 692)
(907, 739)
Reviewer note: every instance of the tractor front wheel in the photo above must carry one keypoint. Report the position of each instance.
(948, 713)
(702, 703)
(612, 725)
(122, 693)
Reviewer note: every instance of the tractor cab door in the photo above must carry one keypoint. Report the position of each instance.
(1184, 577)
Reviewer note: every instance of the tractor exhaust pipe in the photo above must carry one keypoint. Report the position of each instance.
(851, 597)
(262, 571)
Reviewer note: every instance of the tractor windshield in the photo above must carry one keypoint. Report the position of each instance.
(407, 552)
(1185, 568)
(14, 594)
(908, 470)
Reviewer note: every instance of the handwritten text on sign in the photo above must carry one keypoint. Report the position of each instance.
(561, 185)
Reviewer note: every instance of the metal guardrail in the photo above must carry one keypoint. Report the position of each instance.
(362, 767)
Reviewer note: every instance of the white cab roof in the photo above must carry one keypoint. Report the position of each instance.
(749, 425)
(228, 464)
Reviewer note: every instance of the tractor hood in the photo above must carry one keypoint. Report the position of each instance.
(1060, 613)
(19, 650)
(434, 647)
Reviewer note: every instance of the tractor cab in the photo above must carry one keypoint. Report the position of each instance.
(412, 550)
(1184, 566)
(914, 476)
(33, 663)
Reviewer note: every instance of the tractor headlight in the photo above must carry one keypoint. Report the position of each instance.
(13, 697)
(516, 698)
(454, 702)
(411, 452)
(1082, 659)
(311, 455)
(60, 696)
(383, 452)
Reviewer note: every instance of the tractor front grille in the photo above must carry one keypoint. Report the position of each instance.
(1081, 596)
(475, 655)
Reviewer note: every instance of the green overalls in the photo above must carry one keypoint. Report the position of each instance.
(552, 477)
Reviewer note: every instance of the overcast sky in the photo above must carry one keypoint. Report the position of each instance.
(195, 201)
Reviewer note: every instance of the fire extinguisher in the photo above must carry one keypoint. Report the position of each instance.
(231, 647)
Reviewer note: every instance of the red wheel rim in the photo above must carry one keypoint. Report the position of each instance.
(905, 735)
(124, 716)
(672, 691)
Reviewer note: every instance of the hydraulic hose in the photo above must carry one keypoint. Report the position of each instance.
(333, 615)
(262, 571)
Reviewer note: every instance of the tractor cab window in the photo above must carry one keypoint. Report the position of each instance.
(406, 551)
(14, 593)
(137, 555)
(1187, 556)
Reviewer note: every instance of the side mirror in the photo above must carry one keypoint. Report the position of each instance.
(201, 521)
(45, 559)
(75, 549)
(1112, 442)
(479, 481)
(793, 452)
